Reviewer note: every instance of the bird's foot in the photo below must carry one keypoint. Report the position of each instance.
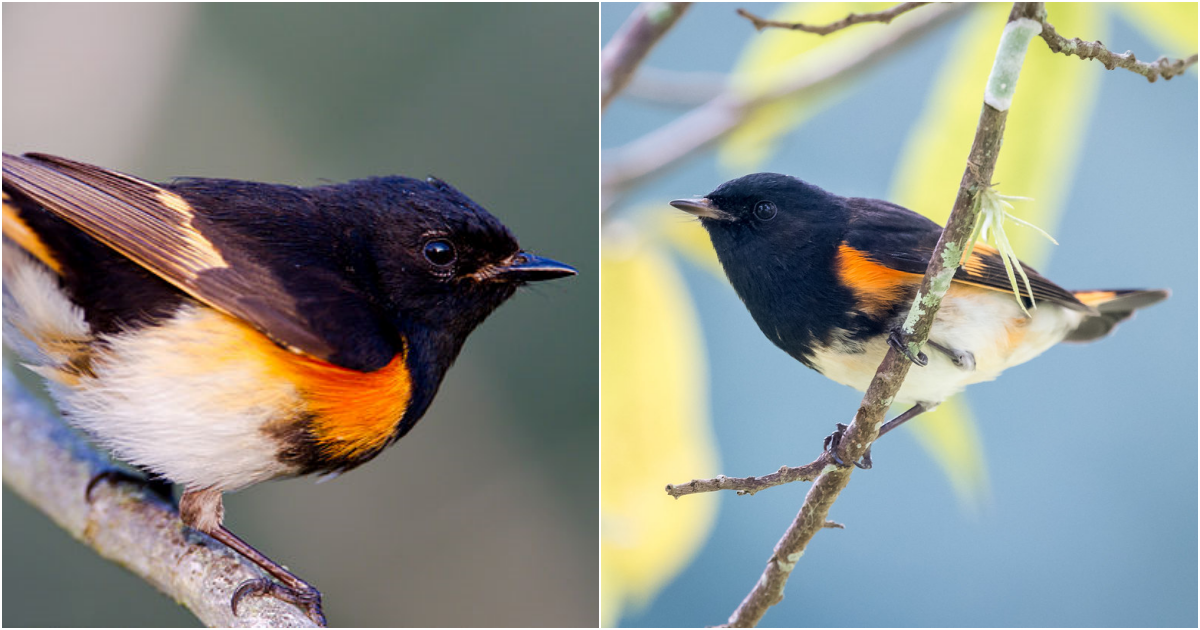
(831, 446)
(961, 358)
(158, 486)
(899, 341)
(303, 596)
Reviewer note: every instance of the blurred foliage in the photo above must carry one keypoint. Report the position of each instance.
(654, 425)
(1042, 142)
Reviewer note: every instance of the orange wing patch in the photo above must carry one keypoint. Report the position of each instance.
(877, 287)
(16, 230)
(975, 265)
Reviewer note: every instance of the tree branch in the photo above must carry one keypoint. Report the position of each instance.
(50, 466)
(885, 17)
(674, 88)
(750, 485)
(685, 137)
(632, 43)
(1163, 66)
(1023, 24)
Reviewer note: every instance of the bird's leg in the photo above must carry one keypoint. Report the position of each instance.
(899, 341)
(961, 358)
(159, 486)
(203, 510)
(831, 442)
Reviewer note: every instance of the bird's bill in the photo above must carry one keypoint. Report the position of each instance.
(702, 208)
(526, 267)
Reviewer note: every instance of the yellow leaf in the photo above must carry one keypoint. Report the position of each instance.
(1171, 25)
(654, 427)
(773, 56)
(950, 436)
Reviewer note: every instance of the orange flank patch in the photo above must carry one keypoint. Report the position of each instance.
(353, 413)
(876, 286)
(1095, 298)
(16, 230)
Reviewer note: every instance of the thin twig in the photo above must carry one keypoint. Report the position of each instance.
(751, 485)
(49, 466)
(1163, 66)
(885, 17)
(632, 43)
(687, 136)
(768, 591)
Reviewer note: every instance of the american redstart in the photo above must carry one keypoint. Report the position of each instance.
(830, 279)
(219, 333)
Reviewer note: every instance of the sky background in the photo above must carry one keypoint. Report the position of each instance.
(1091, 450)
(309, 94)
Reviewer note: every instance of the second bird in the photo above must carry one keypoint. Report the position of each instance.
(830, 279)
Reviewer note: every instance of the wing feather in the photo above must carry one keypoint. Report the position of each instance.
(903, 240)
(161, 231)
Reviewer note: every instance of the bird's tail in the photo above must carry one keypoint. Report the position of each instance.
(1114, 306)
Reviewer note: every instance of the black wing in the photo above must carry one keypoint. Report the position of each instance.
(209, 260)
(901, 239)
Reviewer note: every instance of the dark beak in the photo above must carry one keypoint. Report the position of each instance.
(525, 267)
(702, 208)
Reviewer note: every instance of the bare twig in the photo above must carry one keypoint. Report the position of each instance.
(981, 163)
(632, 42)
(687, 136)
(750, 485)
(674, 88)
(50, 467)
(885, 17)
(1163, 66)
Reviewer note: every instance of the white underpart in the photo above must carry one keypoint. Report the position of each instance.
(985, 322)
(176, 399)
(35, 309)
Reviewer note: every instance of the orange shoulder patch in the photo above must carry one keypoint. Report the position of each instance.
(876, 286)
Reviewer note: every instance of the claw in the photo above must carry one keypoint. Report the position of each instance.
(159, 487)
(961, 358)
(897, 340)
(306, 597)
(831, 446)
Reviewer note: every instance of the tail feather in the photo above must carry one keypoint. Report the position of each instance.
(1115, 306)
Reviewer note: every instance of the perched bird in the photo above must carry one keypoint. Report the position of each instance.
(218, 333)
(830, 279)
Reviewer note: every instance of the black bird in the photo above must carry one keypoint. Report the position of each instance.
(830, 279)
(219, 333)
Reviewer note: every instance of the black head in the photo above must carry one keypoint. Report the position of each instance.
(442, 260)
(765, 208)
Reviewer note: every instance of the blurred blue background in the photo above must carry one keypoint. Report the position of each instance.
(485, 515)
(1092, 450)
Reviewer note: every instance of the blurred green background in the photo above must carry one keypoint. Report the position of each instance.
(1073, 501)
(485, 514)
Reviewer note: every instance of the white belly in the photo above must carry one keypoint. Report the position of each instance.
(181, 400)
(989, 324)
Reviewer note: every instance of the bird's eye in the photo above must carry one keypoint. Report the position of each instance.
(765, 210)
(440, 252)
